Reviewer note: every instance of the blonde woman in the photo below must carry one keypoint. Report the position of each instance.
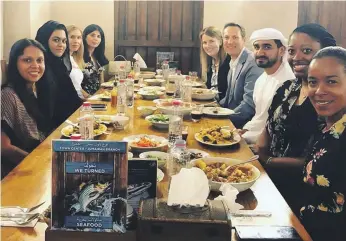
(77, 61)
(212, 55)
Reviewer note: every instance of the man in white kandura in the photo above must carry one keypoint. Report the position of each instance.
(270, 48)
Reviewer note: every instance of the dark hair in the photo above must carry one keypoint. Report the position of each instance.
(242, 30)
(99, 52)
(278, 43)
(19, 84)
(338, 53)
(318, 33)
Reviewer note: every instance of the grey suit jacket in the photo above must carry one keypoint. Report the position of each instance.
(239, 94)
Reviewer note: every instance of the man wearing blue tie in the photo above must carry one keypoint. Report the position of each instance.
(238, 73)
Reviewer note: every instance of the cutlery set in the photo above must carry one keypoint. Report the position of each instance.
(25, 215)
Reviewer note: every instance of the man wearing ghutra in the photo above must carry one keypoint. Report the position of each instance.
(270, 48)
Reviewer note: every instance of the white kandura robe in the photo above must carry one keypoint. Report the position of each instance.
(264, 91)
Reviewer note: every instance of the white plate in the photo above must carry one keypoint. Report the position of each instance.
(165, 106)
(196, 84)
(108, 84)
(237, 139)
(205, 95)
(203, 153)
(241, 186)
(162, 142)
(69, 129)
(163, 156)
(151, 88)
(155, 82)
(147, 75)
(160, 175)
(221, 111)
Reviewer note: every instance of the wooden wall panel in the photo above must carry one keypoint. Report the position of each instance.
(330, 14)
(148, 27)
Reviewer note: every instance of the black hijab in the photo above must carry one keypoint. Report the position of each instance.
(59, 68)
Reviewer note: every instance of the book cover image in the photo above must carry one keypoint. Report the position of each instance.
(89, 185)
(142, 181)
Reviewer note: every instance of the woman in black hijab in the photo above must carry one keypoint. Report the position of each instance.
(53, 36)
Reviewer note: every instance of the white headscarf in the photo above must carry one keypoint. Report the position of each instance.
(270, 34)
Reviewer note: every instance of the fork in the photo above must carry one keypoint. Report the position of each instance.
(25, 210)
(23, 220)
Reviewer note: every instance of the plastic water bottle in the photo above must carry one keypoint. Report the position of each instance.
(122, 96)
(122, 72)
(179, 158)
(186, 90)
(86, 121)
(175, 124)
(130, 94)
(165, 70)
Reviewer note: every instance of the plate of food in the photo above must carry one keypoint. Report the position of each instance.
(154, 82)
(166, 107)
(220, 170)
(162, 157)
(147, 74)
(160, 121)
(196, 84)
(203, 94)
(116, 120)
(217, 111)
(151, 88)
(151, 94)
(105, 96)
(140, 143)
(109, 84)
(218, 136)
(197, 154)
(69, 130)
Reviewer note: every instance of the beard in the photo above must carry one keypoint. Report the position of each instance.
(267, 63)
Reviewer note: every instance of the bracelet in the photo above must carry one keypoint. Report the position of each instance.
(269, 160)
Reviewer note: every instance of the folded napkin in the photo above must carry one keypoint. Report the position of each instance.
(10, 223)
(140, 61)
(189, 187)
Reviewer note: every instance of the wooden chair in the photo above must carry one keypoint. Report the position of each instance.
(3, 72)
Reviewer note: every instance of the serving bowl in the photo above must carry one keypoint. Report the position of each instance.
(162, 157)
(154, 82)
(240, 186)
(203, 94)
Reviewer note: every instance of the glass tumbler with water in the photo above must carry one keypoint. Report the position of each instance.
(175, 124)
(197, 113)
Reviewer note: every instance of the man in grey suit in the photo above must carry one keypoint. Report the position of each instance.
(239, 73)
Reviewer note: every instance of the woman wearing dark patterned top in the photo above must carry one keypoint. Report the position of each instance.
(323, 200)
(94, 57)
(53, 36)
(24, 119)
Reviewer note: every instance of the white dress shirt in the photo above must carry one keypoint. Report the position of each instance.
(264, 91)
(76, 76)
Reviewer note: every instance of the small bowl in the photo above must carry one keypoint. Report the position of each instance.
(119, 122)
(163, 156)
(146, 110)
(158, 76)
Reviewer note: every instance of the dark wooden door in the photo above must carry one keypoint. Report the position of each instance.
(148, 27)
(330, 14)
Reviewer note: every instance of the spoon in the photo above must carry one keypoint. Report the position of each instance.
(251, 159)
(24, 220)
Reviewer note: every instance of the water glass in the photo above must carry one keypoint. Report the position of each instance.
(196, 113)
(193, 75)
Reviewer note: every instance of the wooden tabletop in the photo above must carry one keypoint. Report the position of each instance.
(30, 182)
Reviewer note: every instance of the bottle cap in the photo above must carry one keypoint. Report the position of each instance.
(122, 66)
(178, 71)
(86, 104)
(76, 137)
(130, 76)
(176, 102)
(122, 81)
(187, 77)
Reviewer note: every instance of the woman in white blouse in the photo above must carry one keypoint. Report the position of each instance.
(76, 56)
(212, 55)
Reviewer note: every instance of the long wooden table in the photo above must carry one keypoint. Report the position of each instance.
(30, 182)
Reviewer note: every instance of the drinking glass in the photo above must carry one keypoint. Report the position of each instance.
(196, 113)
(193, 75)
(170, 89)
(185, 132)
